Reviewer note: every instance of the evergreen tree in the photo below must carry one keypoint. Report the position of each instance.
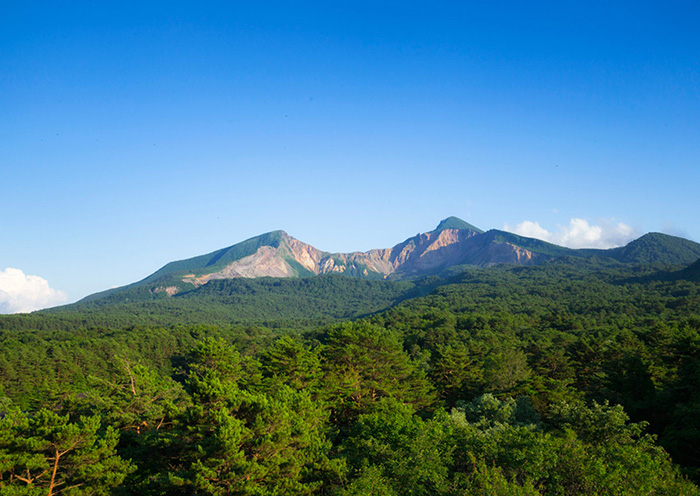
(45, 453)
(365, 363)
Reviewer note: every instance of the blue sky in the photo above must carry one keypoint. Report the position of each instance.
(132, 135)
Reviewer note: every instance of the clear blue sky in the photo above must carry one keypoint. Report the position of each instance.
(132, 135)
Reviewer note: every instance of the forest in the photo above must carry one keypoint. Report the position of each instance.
(580, 376)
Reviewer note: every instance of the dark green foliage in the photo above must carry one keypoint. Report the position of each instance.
(690, 273)
(543, 380)
(658, 248)
(592, 450)
(241, 441)
(288, 361)
(364, 364)
(414, 455)
(370, 481)
(39, 368)
(46, 453)
(138, 399)
(566, 288)
(264, 301)
(331, 296)
(455, 371)
(506, 371)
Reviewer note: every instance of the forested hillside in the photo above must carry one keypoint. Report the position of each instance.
(575, 377)
(262, 301)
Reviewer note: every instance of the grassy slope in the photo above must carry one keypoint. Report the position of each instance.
(456, 223)
(531, 244)
(201, 264)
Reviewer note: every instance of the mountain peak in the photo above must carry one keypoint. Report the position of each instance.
(658, 247)
(456, 223)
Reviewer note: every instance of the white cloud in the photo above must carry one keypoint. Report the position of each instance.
(530, 229)
(20, 293)
(579, 233)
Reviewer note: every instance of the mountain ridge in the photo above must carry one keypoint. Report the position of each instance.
(453, 243)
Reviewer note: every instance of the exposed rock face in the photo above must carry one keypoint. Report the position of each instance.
(433, 251)
(503, 253)
(265, 262)
(308, 256)
(170, 290)
(423, 254)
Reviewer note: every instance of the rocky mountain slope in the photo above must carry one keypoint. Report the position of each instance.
(453, 243)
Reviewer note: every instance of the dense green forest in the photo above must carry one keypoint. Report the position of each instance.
(266, 301)
(581, 376)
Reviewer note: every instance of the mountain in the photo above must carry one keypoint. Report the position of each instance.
(456, 223)
(657, 248)
(277, 254)
(453, 244)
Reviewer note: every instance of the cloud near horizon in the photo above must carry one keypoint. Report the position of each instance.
(579, 233)
(21, 293)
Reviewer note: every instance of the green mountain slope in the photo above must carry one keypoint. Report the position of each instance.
(197, 265)
(218, 259)
(531, 244)
(652, 248)
(657, 248)
(456, 223)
